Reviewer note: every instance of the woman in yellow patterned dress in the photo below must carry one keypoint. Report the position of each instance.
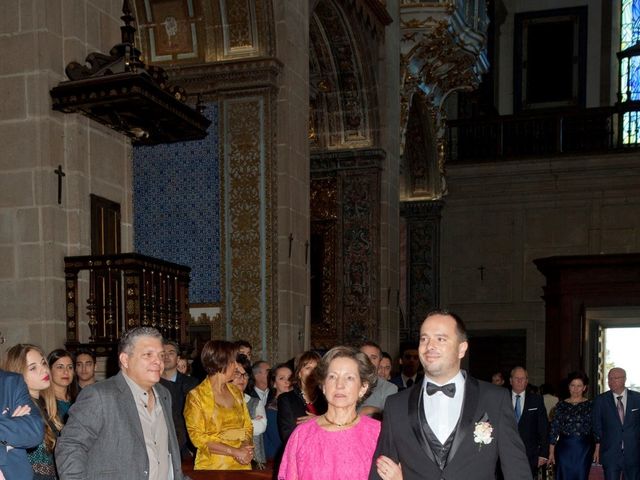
(216, 414)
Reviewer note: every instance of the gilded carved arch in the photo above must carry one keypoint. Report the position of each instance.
(442, 52)
(178, 32)
(343, 111)
(421, 164)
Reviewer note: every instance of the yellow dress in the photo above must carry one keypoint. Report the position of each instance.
(208, 421)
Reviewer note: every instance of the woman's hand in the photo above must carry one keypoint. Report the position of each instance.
(243, 454)
(21, 411)
(306, 418)
(596, 454)
(552, 458)
(388, 469)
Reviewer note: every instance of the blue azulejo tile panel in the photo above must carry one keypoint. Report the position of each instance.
(176, 201)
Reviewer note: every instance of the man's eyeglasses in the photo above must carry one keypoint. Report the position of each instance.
(237, 374)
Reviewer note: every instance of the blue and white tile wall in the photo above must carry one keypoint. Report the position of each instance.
(176, 201)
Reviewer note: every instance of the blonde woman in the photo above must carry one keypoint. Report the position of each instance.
(29, 360)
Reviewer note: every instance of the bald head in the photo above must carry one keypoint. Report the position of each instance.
(617, 378)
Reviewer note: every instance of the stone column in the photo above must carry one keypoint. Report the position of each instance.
(292, 169)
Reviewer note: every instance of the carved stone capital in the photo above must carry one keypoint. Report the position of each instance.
(214, 78)
(356, 159)
(423, 209)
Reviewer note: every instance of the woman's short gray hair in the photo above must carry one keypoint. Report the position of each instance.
(366, 370)
(130, 337)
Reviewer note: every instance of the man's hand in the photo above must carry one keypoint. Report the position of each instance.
(542, 461)
(596, 454)
(306, 418)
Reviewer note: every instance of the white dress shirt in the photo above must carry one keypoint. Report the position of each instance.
(513, 401)
(443, 412)
(262, 395)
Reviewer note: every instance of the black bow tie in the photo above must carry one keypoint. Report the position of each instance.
(449, 389)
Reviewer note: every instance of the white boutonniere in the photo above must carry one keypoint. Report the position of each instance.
(483, 433)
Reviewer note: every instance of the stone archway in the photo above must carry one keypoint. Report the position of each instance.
(346, 165)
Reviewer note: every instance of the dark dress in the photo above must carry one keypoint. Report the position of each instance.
(272, 442)
(572, 435)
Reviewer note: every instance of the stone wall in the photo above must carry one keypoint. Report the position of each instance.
(38, 38)
(499, 217)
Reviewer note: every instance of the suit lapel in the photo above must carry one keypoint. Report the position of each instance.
(129, 407)
(415, 416)
(466, 423)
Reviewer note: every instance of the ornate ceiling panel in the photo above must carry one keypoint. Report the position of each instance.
(177, 32)
(342, 87)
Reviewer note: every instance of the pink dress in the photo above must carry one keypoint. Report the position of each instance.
(312, 453)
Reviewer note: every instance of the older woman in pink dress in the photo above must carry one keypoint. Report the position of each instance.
(339, 444)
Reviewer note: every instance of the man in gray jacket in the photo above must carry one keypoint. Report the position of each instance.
(374, 404)
(122, 428)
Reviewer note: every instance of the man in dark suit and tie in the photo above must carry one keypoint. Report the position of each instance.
(531, 416)
(451, 426)
(616, 425)
(409, 364)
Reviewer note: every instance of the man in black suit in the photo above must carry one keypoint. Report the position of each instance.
(409, 364)
(531, 416)
(450, 426)
(179, 385)
(616, 425)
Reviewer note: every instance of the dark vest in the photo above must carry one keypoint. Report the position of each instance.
(440, 451)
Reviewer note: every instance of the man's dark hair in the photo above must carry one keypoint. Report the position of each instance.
(243, 343)
(370, 343)
(173, 343)
(404, 346)
(86, 351)
(460, 326)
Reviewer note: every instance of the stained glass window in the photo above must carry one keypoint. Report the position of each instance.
(630, 68)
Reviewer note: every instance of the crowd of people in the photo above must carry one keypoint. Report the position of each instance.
(341, 415)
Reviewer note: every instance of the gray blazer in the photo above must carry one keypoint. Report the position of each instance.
(103, 437)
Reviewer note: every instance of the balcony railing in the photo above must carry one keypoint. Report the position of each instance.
(125, 291)
(592, 130)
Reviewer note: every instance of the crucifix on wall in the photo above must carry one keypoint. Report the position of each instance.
(60, 174)
(481, 269)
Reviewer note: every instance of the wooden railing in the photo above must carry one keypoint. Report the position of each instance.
(125, 291)
(592, 130)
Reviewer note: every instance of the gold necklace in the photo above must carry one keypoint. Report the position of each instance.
(351, 422)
